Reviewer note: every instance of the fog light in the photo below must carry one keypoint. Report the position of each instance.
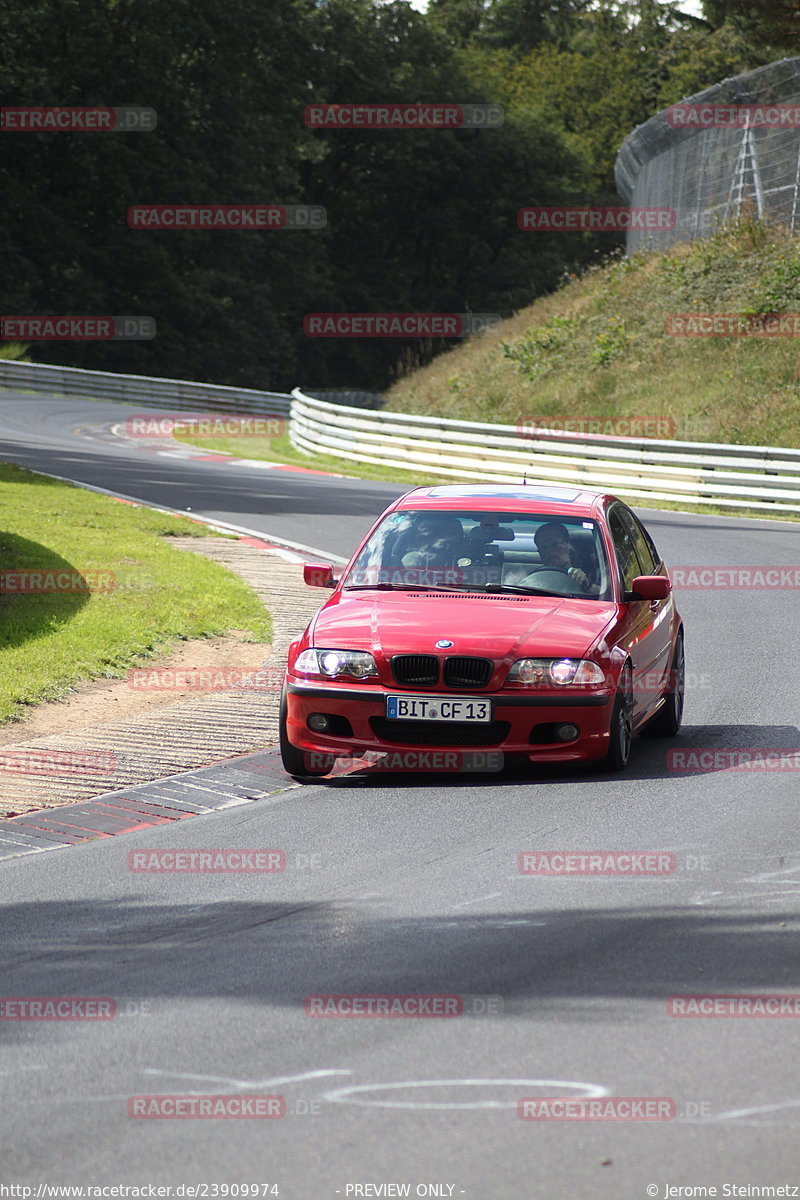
(567, 733)
(318, 722)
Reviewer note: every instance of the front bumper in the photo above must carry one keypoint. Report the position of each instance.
(361, 725)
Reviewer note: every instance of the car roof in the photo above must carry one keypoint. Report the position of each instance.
(501, 497)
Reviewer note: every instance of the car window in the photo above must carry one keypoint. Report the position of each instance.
(649, 540)
(470, 550)
(645, 550)
(625, 546)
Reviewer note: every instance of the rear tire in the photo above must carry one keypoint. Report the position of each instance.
(667, 720)
(621, 728)
(295, 761)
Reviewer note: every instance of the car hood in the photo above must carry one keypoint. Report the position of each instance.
(497, 627)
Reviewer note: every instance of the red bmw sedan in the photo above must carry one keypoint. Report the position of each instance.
(530, 621)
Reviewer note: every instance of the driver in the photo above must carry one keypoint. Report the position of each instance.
(555, 550)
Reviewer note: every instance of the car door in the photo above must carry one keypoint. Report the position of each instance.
(646, 625)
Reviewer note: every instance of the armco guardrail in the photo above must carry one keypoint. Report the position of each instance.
(745, 477)
(179, 394)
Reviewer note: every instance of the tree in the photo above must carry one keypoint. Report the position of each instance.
(762, 23)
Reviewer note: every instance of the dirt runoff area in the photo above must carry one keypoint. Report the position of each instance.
(193, 668)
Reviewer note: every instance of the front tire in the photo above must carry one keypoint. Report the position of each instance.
(297, 762)
(621, 728)
(667, 720)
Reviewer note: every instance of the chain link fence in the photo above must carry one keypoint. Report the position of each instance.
(732, 148)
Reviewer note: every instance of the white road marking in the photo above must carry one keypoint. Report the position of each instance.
(347, 1095)
(749, 1112)
(476, 900)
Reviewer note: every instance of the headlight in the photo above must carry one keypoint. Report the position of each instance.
(331, 664)
(545, 672)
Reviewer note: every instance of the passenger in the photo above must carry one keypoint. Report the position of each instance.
(436, 540)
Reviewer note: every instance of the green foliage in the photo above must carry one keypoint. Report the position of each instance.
(778, 290)
(604, 346)
(541, 349)
(609, 343)
(418, 221)
(762, 23)
(14, 351)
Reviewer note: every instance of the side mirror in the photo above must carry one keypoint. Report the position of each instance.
(318, 575)
(649, 587)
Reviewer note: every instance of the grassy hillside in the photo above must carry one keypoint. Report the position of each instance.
(598, 348)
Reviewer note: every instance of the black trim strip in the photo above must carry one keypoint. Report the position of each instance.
(318, 693)
(506, 701)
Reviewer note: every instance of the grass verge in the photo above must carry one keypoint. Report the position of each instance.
(150, 594)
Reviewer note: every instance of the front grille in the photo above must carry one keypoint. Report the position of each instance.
(468, 672)
(416, 670)
(439, 733)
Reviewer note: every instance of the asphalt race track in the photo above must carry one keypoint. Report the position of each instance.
(316, 510)
(408, 886)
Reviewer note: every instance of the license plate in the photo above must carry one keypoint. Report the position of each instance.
(438, 708)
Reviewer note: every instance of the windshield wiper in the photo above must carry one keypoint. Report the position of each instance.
(443, 587)
(399, 587)
(522, 591)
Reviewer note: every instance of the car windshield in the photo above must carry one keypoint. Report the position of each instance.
(485, 552)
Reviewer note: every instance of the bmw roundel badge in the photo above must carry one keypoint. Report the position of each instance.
(443, 644)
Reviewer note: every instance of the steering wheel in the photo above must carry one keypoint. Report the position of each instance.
(552, 578)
